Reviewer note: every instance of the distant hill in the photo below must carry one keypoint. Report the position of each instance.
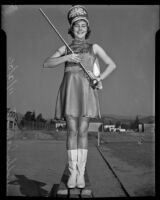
(147, 120)
(127, 119)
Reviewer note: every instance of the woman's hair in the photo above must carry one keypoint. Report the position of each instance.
(70, 31)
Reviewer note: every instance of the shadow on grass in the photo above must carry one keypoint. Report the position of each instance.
(53, 192)
(29, 187)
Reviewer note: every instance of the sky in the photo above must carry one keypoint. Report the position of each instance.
(125, 32)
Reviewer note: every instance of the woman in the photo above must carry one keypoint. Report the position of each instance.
(77, 101)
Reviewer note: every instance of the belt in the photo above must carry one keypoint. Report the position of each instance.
(73, 69)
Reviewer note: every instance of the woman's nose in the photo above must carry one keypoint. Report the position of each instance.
(81, 27)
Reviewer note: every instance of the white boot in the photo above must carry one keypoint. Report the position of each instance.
(72, 165)
(82, 159)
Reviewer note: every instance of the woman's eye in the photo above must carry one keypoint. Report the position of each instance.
(83, 26)
(76, 26)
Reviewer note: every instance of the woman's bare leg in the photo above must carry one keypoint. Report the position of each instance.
(83, 133)
(72, 131)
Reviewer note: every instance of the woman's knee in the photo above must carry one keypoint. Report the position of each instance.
(83, 133)
(83, 129)
(72, 133)
(84, 122)
(72, 128)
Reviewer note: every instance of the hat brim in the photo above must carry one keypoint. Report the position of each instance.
(79, 18)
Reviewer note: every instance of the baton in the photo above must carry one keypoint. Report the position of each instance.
(93, 81)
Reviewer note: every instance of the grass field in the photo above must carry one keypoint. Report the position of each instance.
(135, 148)
(132, 156)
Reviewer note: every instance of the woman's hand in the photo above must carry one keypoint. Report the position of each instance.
(73, 58)
(99, 85)
(93, 76)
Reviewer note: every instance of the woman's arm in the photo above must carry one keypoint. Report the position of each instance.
(110, 65)
(56, 59)
(59, 57)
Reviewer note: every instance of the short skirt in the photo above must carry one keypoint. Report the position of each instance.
(76, 97)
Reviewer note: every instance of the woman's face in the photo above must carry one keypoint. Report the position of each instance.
(80, 29)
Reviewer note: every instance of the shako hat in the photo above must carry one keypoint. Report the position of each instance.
(76, 13)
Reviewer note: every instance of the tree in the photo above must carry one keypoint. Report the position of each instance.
(39, 118)
(28, 116)
(118, 124)
(135, 123)
(21, 124)
(33, 116)
(125, 126)
(110, 122)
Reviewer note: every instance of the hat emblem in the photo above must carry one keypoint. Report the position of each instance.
(77, 11)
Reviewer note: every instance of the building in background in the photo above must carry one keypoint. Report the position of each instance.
(146, 127)
(11, 119)
(149, 128)
(60, 124)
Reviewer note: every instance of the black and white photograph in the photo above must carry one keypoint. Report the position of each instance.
(80, 100)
